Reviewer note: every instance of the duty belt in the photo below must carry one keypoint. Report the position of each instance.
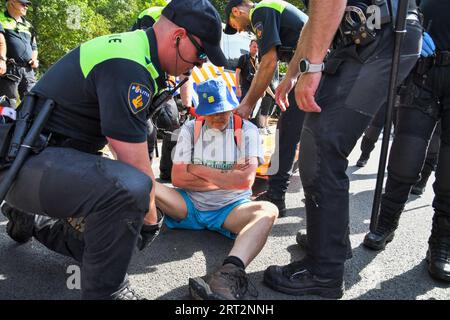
(59, 140)
(360, 22)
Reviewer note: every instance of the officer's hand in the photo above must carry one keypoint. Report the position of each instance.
(149, 232)
(2, 67)
(305, 91)
(244, 111)
(428, 46)
(282, 92)
(238, 92)
(34, 63)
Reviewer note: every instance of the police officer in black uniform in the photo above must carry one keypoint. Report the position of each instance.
(340, 102)
(167, 119)
(372, 134)
(147, 18)
(425, 101)
(18, 50)
(103, 92)
(276, 25)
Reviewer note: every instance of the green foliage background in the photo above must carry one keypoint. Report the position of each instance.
(52, 20)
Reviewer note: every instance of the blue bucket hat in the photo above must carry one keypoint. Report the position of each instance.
(214, 97)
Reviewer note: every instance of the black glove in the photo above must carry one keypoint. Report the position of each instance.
(149, 232)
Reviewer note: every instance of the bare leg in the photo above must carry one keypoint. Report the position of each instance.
(170, 201)
(252, 222)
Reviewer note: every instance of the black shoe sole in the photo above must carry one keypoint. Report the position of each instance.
(360, 165)
(439, 275)
(417, 192)
(329, 293)
(378, 246)
(199, 290)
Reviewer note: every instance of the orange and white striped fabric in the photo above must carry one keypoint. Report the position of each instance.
(210, 71)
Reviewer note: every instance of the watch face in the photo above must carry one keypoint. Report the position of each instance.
(303, 65)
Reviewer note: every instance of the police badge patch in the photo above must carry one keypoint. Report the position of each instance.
(138, 97)
(259, 28)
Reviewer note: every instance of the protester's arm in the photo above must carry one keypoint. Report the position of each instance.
(183, 179)
(260, 82)
(315, 40)
(240, 177)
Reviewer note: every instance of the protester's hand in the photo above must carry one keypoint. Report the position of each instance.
(149, 232)
(428, 46)
(305, 91)
(244, 111)
(34, 63)
(282, 92)
(2, 67)
(238, 92)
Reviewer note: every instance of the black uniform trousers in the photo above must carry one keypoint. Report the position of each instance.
(289, 128)
(23, 83)
(354, 86)
(422, 105)
(111, 195)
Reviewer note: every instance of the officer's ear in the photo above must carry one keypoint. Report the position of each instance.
(235, 11)
(178, 35)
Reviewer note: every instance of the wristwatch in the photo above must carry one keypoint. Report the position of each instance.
(308, 67)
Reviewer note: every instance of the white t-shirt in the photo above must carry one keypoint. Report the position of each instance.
(217, 149)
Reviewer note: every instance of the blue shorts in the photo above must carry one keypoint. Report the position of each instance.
(201, 220)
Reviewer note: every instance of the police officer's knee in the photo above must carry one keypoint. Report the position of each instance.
(407, 158)
(139, 187)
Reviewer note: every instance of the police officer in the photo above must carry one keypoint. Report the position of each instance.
(113, 81)
(371, 136)
(423, 104)
(147, 18)
(276, 25)
(18, 50)
(167, 119)
(353, 86)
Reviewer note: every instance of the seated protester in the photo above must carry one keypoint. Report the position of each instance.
(214, 168)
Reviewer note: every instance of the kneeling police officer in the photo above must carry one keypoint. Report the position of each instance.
(103, 91)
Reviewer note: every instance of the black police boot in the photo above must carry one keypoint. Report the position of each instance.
(278, 201)
(296, 279)
(302, 241)
(20, 224)
(127, 293)
(362, 161)
(438, 254)
(384, 232)
(419, 188)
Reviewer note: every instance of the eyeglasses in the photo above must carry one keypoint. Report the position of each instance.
(201, 55)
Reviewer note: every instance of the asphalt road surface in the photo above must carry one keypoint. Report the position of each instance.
(31, 271)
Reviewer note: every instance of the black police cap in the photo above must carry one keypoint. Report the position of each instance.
(230, 5)
(201, 19)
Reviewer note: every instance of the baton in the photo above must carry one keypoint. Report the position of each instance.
(400, 31)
